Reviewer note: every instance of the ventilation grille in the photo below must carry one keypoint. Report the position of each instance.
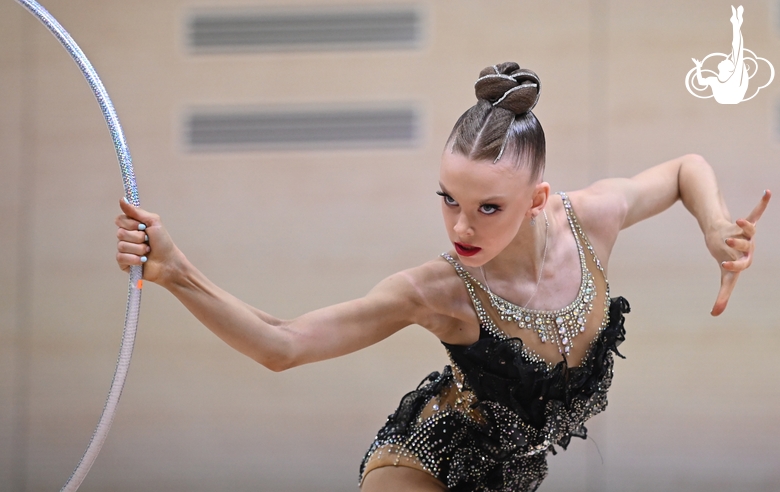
(210, 131)
(334, 29)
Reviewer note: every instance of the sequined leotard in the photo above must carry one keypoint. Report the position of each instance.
(487, 421)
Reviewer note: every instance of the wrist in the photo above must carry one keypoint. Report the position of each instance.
(175, 271)
(700, 194)
(714, 224)
(714, 229)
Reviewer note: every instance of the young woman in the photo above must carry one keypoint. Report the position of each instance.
(521, 304)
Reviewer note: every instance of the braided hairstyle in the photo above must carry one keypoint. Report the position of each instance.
(501, 124)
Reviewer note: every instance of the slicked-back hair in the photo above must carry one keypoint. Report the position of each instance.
(501, 126)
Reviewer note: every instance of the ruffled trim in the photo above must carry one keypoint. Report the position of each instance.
(412, 403)
(497, 370)
(526, 409)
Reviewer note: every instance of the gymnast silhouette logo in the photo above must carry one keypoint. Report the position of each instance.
(735, 70)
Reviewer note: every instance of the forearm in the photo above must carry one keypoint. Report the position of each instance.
(700, 194)
(248, 330)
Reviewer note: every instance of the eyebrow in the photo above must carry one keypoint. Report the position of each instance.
(483, 201)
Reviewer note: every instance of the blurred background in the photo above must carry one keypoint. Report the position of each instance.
(290, 221)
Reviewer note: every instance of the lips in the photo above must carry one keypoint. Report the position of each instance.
(464, 249)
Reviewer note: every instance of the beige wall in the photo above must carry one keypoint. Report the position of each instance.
(694, 407)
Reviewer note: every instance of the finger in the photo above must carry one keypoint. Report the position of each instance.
(738, 265)
(758, 211)
(138, 214)
(742, 245)
(127, 260)
(748, 228)
(131, 236)
(125, 222)
(727, 282)
(133, 248)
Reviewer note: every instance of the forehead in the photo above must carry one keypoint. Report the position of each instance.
(461, 175)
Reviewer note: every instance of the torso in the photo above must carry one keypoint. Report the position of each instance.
(487, 422)
(452, 317)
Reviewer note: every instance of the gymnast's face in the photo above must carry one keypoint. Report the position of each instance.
(484, 204)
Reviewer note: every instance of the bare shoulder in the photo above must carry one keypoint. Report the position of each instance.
(601, 212)
(436, 284)
(446, 306)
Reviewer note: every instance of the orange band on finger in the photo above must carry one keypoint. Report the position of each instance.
(140, 284)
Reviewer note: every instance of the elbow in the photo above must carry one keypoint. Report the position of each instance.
(276, 363)
(277, 367)
(284, 356)
(687, 163)
(694, 159)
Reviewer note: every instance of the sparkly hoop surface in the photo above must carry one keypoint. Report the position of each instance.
(136, 272)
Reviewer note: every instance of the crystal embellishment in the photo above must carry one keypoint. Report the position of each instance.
(563, 325)
(545, 324)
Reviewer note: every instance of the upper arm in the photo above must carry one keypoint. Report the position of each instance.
(652, 191)
(610, 205)
(630, 200)
(343, 328)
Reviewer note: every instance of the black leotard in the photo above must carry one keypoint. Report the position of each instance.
(487, 421)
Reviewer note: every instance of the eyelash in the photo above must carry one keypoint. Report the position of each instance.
(446, 197)
(495, 208)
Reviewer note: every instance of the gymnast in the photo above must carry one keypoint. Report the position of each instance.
(521, 303)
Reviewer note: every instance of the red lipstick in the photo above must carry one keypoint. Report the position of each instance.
(464, 249)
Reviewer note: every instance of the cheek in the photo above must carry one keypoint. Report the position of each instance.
(502, 232)
(504, 229)
(448, 216)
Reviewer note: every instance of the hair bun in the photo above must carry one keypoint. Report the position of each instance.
(509, 87)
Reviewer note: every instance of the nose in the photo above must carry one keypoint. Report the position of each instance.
(462, 227)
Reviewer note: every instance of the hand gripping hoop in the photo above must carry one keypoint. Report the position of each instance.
(136, 272)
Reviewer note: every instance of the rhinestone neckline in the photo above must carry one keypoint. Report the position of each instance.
(559, 326)
(545, 323)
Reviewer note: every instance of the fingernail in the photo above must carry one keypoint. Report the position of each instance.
(124, 198)
(143, 259)
(146, 238)
(148, 249)
(141, 227)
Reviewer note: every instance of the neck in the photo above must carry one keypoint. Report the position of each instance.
(522, 260)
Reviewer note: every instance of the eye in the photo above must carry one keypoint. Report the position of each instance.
(489, 209)
(447, 199)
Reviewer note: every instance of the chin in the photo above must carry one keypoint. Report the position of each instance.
(475, 261)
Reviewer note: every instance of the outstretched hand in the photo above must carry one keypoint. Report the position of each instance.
(733, 247)
(142, 240)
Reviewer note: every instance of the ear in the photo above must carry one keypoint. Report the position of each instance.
(539, 199)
